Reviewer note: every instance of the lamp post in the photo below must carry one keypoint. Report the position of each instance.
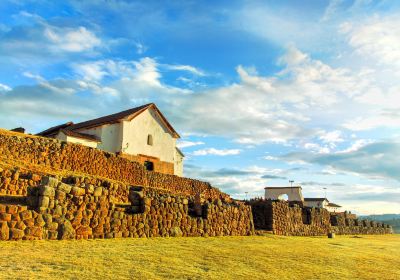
(291, 183)
(325, 192)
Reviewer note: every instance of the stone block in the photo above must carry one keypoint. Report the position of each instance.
(52, 235)
(84, 230)
(175, 232)
(66, 231)
(64, 187)
(60, 195)
(26, 215)
(46, 191)
(4, 231)
(34, 231)
(5, 217)
(30, 222)
(16, 233)
(11, 209)
(58, 211)
(52, 226)
(331, 235)
(89, 189)
(20, 225)
(98, 191)
(44, 201)
(49, 181)
(47, 218)
(39, 221)
(77, 191)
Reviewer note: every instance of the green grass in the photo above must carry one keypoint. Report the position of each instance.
(257, 257)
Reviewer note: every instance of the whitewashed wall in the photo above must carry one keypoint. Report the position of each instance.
(178, 164)
(61, 136)
(135, 132)
(110, 135)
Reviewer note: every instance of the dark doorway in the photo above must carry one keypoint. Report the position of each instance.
(149, 165)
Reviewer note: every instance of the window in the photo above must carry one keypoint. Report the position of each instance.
(283, 197)
(150, 140)
(149, 165)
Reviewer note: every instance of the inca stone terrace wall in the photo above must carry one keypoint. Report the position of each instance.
(54, 155)
(56, 210)
(283, 218)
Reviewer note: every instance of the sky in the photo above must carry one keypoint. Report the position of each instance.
(261, 92)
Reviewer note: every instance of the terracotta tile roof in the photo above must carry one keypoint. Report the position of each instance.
(127, 114)
(315, 199)
(292, 187)
(113, 118)
(330, 204)
(109, 118)
(80, 135)
(54, 130)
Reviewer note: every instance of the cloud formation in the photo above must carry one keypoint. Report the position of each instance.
(373, 160)
(216, 152)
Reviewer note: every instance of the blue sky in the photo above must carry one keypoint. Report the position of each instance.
(261, 92)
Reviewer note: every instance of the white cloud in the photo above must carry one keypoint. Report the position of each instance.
(97, 70)
(91, 71)
(382, 118)
(316, 148)
(256, 110)
(331, 9)
(71, 40)
(237, 182)
(331, 138)
(374, 160)
(270, 158)
(4, 88)
(377, 37)
(273, 108)
(216, 152)
(186, 68)
(357, 145)
(35, 77)
(185, 144)
(147, 72)
(140, 48)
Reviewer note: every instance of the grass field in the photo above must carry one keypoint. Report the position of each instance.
(257, 257)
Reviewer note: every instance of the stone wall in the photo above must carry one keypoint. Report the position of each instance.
(13, 182)
(56, 210)
(54, 155)
(159, 166)
(284, 218)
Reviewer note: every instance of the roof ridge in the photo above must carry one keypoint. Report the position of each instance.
(112, 118)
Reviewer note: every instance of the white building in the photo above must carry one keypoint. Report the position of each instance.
(321, 203)
(294, 194)
(284, 193)
(316, 202)
(141, 134)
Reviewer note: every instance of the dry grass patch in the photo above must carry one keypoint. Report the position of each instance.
(256, 257)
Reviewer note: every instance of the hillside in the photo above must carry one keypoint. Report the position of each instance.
(256, 257)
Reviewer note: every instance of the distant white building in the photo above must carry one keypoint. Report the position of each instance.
(321, 203)
(140, 134)
(284, 193)
(294, 194)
